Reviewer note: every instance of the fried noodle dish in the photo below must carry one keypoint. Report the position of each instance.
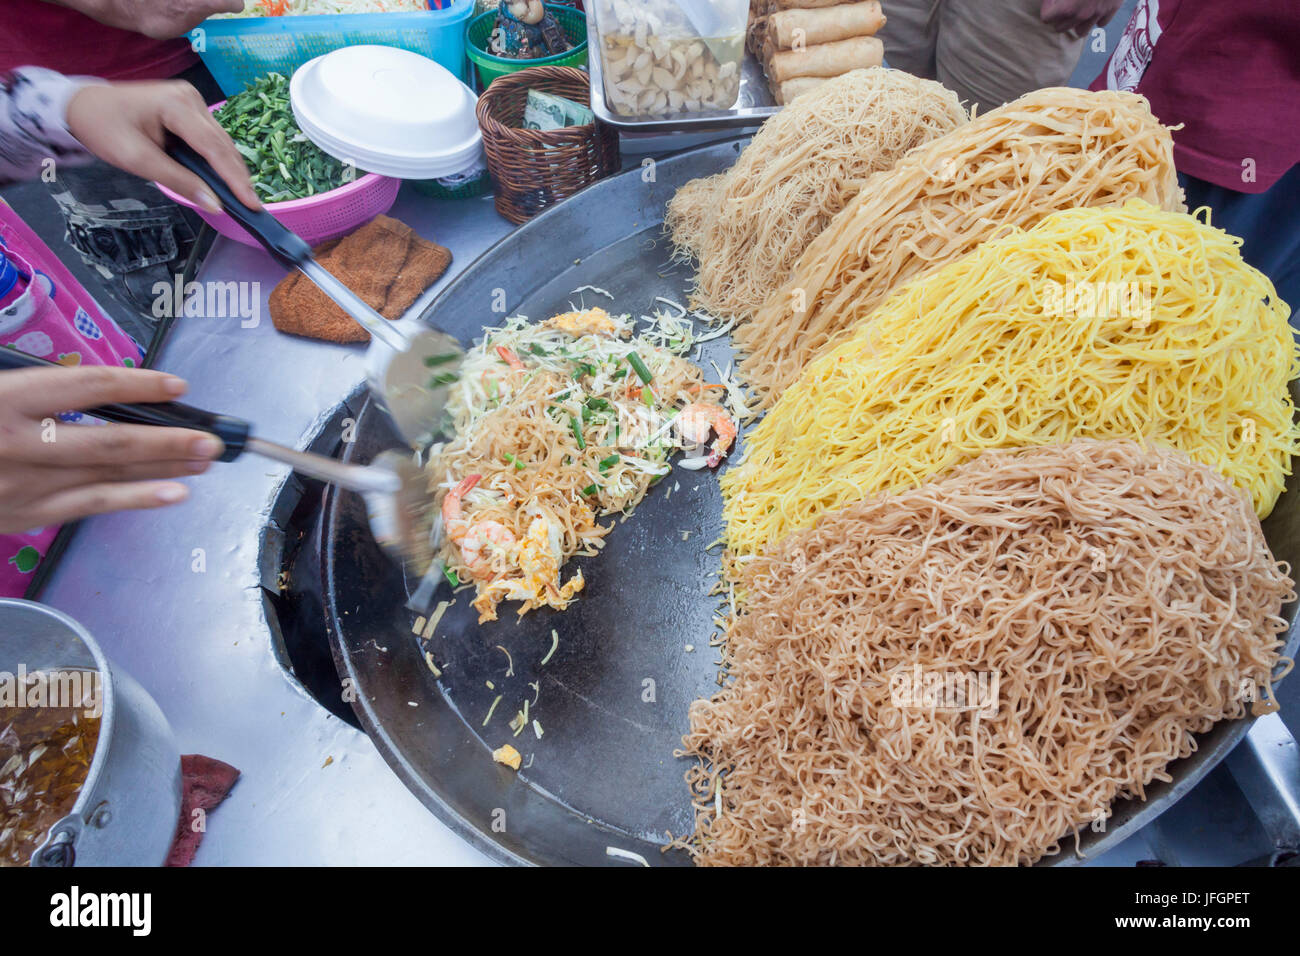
(558, 424)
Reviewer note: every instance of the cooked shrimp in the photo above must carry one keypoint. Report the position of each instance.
(451, 505)
(482, 543)
(697, 419)
(510, 358)
(488, 548)
(498, 384)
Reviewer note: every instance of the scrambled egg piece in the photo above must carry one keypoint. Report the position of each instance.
(537, 557)
(593, 321)
(507, 755)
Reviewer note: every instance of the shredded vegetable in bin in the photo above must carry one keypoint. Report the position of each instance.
(289, 8)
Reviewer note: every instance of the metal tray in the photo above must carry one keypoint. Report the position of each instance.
(754, 103)
(603, 775)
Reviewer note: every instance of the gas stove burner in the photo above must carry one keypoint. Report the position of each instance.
(289, 562)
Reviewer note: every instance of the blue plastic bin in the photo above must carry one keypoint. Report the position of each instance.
(239, 50)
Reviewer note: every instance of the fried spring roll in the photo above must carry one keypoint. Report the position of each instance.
(826, 59)
(825, 25)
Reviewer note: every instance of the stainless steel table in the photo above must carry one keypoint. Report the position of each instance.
(174, 596)
(198, 640)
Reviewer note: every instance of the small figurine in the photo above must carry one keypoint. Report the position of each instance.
(526, 30)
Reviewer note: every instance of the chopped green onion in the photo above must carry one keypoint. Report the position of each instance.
(647, 398)
(443, 378)
(639, 367)
(451, 577)
(610, 462)
(577, 433)
(442, 359)
(512, 460)
(619, 374)
(591, 489)
(537, 349)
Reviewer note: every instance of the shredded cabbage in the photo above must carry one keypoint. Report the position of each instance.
(288, 8)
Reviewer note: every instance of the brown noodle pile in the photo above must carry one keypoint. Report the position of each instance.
(690, 210)
(1051, 149)
(1124, 597)
(749, 225)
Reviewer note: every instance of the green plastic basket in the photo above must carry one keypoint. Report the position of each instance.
(467, 190)
(572, 22)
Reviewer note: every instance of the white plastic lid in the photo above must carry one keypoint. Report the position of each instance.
(389, 111)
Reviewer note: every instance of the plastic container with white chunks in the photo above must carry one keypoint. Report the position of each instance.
(666, 57)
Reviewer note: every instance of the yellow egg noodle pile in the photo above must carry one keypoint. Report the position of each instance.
(1052, 149)
(967, 671)
(749, 225)
(1099, 323)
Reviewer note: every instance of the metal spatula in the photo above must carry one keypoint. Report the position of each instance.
(406, 357)
(398, 502)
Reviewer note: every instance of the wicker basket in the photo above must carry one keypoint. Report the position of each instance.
(533, 169)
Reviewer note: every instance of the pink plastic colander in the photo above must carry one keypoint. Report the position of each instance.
(316, 218)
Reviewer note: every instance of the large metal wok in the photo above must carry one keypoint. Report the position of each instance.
(613, 699)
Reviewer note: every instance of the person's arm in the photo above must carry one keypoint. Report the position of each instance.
(1077, 17)
(52, 472)
(33, 126)
(47, 117)
(160, 19)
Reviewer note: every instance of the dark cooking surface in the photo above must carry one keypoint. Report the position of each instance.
(613, 699)
(603, 774)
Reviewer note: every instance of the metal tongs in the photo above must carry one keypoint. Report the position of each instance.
(409, 364)
(395, 488)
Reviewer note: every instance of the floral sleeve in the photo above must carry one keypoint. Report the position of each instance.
(33, 131)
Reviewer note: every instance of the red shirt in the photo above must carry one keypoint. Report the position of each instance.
(35, 33)
(1229, 72)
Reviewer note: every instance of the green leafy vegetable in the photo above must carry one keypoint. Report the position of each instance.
(283, 163)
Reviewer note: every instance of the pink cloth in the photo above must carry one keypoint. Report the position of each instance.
(205, 783)
(54, 318)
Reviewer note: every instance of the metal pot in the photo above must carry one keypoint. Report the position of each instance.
(127, 810)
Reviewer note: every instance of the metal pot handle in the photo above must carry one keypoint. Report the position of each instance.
(60, 846)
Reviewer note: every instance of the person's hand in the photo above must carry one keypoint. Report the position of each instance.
(126, 124)
(160, 19)
(51, 472)
(1077, 16)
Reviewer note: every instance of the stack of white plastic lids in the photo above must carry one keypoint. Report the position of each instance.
(388, 111)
